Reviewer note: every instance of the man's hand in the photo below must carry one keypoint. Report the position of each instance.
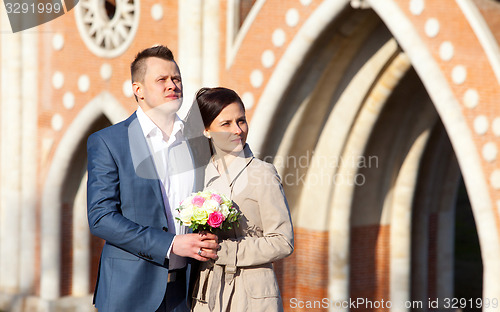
(188, 245)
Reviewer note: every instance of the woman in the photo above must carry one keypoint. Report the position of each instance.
(242, 278)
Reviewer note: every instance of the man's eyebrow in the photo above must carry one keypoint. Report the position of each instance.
(166, 76)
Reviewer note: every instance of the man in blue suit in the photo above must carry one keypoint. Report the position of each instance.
(138, 172)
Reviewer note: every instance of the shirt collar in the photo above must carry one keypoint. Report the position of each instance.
(148, 126)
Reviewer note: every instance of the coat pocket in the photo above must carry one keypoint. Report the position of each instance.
(262, 289)
(201, 286)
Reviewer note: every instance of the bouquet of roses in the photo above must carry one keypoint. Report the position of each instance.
(208, 211)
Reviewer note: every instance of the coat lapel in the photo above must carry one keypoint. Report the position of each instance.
(233, 172)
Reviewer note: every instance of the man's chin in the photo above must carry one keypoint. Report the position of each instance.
(169, 107)
(177, 102)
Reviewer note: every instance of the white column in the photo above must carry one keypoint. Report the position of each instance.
(232, 26)
(29, 84)
(190, 49)
(211, 46)
(10, 160)
(401, 229)
(81, 243)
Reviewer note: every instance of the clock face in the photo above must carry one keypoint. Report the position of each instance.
(107, 26)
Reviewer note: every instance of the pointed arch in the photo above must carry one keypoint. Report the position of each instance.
(438, 87)
(105, 105)
(460, 135)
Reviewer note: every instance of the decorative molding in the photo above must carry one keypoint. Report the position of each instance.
(234, 38)
(103, 36)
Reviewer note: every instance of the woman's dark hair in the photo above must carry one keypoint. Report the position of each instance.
(212, 101)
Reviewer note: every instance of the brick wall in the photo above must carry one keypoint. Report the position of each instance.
(370, 264)
(304, 275)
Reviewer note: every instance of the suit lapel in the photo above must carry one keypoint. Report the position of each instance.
(142, 159)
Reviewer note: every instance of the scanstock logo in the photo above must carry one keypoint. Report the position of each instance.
(25, 14)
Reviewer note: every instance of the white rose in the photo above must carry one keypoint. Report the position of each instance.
(210, 205)
(187, 201)
(224, 209)
(186, 214)
(205, 194)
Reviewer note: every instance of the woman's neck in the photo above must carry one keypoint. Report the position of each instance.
(224, 159)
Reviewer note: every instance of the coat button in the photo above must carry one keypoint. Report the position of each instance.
(165, 229)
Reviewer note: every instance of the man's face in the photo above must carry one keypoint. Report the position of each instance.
(162, 86)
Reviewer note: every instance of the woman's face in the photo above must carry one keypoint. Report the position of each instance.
(229, 129)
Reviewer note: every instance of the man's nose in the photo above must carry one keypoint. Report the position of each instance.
(170, 84)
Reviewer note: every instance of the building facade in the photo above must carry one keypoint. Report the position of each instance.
(373, 112)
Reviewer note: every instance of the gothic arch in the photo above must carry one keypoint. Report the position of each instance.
(421, 55)
(103, 105)
(459, 130)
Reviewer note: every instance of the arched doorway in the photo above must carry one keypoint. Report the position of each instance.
(65, 240)
(78, 249)
(369, 171)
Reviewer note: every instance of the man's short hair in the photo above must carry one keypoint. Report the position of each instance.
(138, 66)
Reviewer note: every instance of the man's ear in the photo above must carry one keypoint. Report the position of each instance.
(138, 90)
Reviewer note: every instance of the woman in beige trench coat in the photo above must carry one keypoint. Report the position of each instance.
(242, 278)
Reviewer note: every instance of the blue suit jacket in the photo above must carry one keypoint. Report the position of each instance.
(125, 208)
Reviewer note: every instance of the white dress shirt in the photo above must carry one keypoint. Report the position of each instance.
(174, 166)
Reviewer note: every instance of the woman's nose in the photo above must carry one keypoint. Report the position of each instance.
(237, 129)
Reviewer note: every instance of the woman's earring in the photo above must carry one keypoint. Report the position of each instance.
(206, 134)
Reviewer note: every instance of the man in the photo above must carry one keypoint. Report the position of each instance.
(138, 172)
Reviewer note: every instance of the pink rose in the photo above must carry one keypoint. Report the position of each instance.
(216, 197)
(215, 219)
(198, 201)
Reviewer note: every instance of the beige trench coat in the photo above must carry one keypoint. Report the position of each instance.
(242, 279)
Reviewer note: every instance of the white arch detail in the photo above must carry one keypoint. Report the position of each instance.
(106, 104)
(483, 33)
(460, 135)
(342, 197)
(285, 69)
(234, 36)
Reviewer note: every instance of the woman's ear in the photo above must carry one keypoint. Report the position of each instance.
(207, 134)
